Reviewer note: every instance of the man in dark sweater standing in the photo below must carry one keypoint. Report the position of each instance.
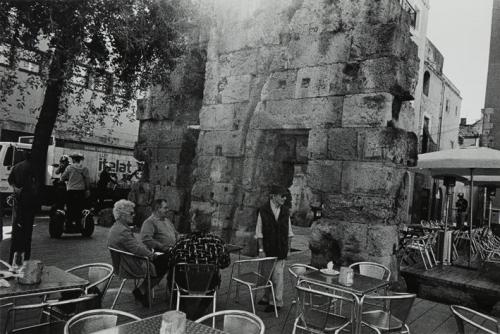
(274, 235)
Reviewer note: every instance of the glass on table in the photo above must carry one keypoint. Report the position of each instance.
(17, 262)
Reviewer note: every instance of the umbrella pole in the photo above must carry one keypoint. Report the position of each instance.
(489, 215)
(444, 258)
(485, 202)
(471, 187)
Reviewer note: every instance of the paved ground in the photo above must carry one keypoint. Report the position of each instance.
(426, 317)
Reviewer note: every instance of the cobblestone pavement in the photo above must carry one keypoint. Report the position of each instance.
(71, 250)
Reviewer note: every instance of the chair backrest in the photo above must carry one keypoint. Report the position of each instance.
(263, 268)
(397, 305)
(77, 304)
(463, 316)
(313, 296)
(96, 320)
(372, 269)
(98, 275)
(118, 258)
(298, 269)
(196, 278)
(237, 322)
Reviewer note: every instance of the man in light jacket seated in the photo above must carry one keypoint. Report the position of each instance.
(121, 237)
(158, 232)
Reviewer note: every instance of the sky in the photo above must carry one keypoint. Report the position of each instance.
(460, 29)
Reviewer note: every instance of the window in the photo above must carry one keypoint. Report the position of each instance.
(18, 154)
(427, 79)
(456, 110)
(447, 106)
(452, 144)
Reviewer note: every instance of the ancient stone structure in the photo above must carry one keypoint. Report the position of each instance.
(307, 94)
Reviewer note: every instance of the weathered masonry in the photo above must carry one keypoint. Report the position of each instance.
(303, 93)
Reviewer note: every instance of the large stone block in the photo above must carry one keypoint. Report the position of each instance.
(279, 86)
(324, 175)
(320, 81)
(342, 144)
(175, 196)
(382, 240)
(237, 63)
(388, 144)
(214, 169)
(220, 143)
(307, 113)
(163, 174)
(317, 144)
(222, 116)
(320, 47)
(227, 89)
(380, 40)
(362, 110)
(370, 178)
(357, 208)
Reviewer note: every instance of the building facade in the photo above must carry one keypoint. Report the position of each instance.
(491, 111)
(19, 111)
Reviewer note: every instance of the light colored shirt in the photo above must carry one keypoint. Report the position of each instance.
(276, 211)
(77, 177)
(158, 234)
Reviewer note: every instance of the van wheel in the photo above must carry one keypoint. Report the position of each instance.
(87, 223)
(56, 224)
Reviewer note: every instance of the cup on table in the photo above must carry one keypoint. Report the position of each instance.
(173, 322)
(17, 262)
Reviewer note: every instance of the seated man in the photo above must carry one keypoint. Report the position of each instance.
(121, 237)
(200, 247)
(157, 232)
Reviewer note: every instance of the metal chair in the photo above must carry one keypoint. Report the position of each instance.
(99, 277)
(192, 280)
(257, 279)
(295, 271)
(116, 258)
(237, 322)
(96, 320)
(463, 316)
(46, 312)
(372, 269)
(98, 274)
(387, 313)
(317, 312)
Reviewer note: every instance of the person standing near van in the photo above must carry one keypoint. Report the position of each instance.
(78, 187)
(22, 179)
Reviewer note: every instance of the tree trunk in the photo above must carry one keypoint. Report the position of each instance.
(48, 115)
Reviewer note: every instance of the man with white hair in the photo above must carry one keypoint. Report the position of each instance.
(121, 237)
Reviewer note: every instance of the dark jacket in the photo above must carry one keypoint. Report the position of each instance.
(275, 233)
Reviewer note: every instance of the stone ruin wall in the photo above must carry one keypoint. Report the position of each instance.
(316, 86)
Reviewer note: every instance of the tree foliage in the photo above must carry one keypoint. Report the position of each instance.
(138, 41)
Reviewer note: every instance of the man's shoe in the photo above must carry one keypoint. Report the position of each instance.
(140, 297)
(263, 302)
(270, 308)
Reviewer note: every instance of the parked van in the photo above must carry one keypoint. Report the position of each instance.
(121, 161)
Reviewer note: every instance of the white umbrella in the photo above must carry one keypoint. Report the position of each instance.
(468, 161)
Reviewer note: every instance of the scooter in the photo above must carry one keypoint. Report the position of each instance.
(58, 224)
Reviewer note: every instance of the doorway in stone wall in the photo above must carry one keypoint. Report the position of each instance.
(291, 151)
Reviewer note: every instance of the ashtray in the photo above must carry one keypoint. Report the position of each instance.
(330, 272)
